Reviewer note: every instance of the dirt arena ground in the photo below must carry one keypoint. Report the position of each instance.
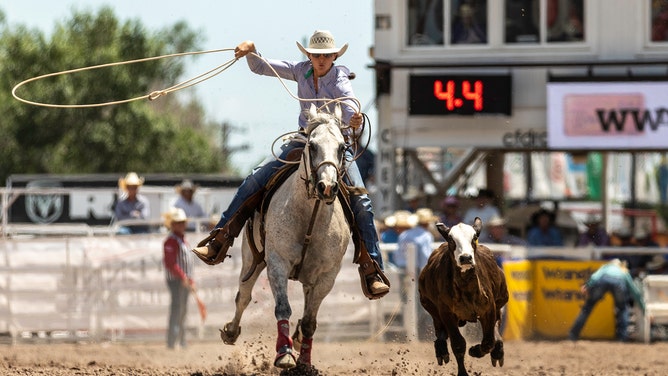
(543, 358)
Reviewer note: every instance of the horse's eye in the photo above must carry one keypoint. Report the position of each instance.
(313, 148)
(342, 148)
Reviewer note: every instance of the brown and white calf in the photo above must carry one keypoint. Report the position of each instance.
(463, 283)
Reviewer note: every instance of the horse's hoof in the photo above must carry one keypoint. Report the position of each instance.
(228, 336)
(297, 337)
(285, 359)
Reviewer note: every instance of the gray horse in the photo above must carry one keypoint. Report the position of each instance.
(287, 221)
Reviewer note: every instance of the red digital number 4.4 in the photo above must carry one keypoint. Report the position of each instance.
(451, 101)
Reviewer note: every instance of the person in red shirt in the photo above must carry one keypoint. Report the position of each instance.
(178, 262)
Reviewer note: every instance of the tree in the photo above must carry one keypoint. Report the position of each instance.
(163, 135)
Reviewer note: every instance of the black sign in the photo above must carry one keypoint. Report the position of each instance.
(460, 95)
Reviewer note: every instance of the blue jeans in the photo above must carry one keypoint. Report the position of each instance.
(176, 329)
(361, 205)
(595, 293)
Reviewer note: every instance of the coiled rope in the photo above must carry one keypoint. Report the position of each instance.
(357, 107)
(150, 96)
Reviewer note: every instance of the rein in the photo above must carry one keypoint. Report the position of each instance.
(310, 180)
(307, 238)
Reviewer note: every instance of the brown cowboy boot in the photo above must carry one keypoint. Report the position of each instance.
(213, 249)
(375, 284)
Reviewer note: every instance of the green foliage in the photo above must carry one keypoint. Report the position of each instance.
(163, 135)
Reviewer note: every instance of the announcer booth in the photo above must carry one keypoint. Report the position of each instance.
(518, 96)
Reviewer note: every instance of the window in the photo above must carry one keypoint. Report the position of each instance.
(565, 21)
(522, 21)
(659, 16)
(425, 22)
(468, 22)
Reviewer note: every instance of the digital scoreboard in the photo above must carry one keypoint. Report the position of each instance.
(460, 94)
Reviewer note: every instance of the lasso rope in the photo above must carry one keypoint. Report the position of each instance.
(151, 96)
(185, 84)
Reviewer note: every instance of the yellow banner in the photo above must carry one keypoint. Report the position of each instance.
(516, 323)
(557, 300)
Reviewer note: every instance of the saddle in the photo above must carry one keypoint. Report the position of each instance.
(361, 255)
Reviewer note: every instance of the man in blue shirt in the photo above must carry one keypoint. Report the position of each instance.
(614, 278)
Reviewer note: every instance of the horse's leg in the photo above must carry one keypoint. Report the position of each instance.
(231, 330)
(314, 294)
(277, 273)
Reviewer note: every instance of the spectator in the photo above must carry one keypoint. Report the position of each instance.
(497, 233)
(178, 261)
(613, 277)
(657, 265)
(484, 209)
(594, 234)
(397, 223)
(132, 205)
(544, 232)
(422, 239)
(450, 215)
(412, 199)
(186, 190)
(643, 238)
(623, 237)
(465, 29)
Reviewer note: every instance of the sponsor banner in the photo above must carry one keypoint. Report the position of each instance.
(557, 300)
(517, 319)
(545, 298)
(607, 115)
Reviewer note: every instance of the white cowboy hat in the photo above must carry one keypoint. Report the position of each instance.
(130, 179)
(174, 215)
(496, 221)
(186, 184)
(322, 42)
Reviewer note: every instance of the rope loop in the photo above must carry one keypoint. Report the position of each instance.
(151, 96)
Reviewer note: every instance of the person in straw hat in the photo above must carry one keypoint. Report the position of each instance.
(132, 205)
(178, 263)
(396, 224)
(317, 78)
(421, 239)
(186, 190)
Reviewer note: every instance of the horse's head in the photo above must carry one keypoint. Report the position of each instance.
(323, 154)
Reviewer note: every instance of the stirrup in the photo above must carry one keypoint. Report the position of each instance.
(371, 269)
(219, 242)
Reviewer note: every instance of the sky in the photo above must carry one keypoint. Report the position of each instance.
(259, 106)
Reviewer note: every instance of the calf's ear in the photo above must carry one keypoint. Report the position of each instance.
(443, 230)
(477, 226)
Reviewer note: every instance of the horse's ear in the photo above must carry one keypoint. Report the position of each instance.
(443, 230)
(337, 111)
(312, 111)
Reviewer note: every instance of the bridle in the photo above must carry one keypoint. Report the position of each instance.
(311, 171)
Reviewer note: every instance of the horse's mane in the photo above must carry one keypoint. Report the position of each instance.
(320, 117)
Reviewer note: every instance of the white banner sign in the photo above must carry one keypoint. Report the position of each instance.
(607, 115)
